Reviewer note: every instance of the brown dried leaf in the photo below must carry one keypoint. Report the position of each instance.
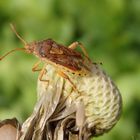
(9, 129)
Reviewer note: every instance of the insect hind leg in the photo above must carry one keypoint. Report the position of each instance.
(74, 45)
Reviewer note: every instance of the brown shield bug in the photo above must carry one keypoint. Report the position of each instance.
(64, 59)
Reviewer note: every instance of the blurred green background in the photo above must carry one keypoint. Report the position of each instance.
(110, 31)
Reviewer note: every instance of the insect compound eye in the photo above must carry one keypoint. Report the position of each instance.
(43, 51)
(50, 42)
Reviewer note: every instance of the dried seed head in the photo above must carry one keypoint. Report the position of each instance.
(101, 97)
(59, 105)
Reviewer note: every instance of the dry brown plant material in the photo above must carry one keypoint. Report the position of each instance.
(9, 129)
(61, 113)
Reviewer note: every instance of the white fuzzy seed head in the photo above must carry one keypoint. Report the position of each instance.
(101, 98)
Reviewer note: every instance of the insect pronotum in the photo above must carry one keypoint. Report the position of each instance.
(50, 52)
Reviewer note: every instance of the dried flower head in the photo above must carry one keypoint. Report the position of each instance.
(63, 113)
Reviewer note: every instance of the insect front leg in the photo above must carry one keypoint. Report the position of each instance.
(43, 71)
(35, 67)
(74, 45)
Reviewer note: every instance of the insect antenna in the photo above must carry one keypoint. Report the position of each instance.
(16, 49)
(20, 38)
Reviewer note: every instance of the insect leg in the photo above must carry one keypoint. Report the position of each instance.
(76, 44)
(43, 71)
(35, 67)
(67, 77)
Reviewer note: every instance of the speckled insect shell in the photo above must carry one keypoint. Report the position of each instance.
(101, 97)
